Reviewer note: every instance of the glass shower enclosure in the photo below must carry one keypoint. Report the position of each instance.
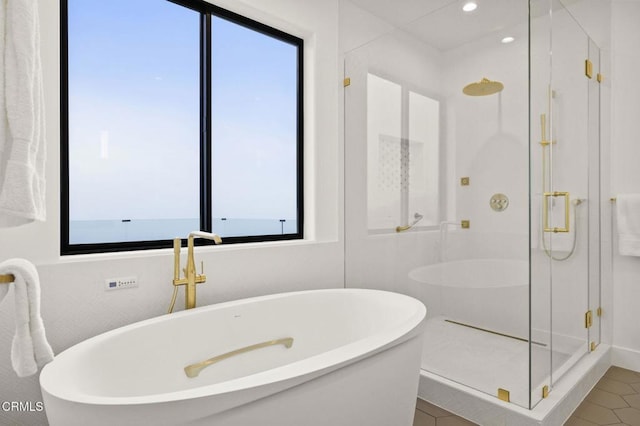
(472, 175)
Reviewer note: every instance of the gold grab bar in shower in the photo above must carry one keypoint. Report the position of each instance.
(7, 278)
(417, 217)
(545, 211)
(194, 369)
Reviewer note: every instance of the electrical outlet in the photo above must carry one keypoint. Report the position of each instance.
(120, 283)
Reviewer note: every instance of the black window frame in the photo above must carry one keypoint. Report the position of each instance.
(207, 11)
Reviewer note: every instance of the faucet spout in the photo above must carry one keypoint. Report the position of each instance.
(206, 235)
(191, 278)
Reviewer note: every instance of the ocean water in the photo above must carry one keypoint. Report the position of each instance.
(110, 231)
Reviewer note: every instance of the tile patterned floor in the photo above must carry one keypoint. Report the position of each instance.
(615, 401)
(428, 414)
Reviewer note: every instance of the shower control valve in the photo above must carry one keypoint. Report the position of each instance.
(499, 202)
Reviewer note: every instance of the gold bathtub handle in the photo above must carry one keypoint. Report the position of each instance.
(545, 211)
(194, 369)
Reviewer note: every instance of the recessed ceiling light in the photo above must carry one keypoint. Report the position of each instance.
(470, 6)
(508, 39)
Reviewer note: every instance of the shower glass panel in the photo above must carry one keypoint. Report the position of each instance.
(483, 204)
(568, 160)
(565, 175)
(541, 265)
(594, 208)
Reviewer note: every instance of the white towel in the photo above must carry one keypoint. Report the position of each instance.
(22, 148)
(30, 348)
(628, 219)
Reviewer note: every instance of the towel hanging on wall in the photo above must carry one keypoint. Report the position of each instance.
(29, 348)
(22, 144)
(628, 221)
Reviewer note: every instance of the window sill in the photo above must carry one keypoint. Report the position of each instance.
(168, 252)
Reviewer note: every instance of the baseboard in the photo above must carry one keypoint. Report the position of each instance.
(625, 358)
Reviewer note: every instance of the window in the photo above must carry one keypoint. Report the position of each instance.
(177, 116)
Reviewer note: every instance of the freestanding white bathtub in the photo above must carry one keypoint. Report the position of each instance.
(354, 360)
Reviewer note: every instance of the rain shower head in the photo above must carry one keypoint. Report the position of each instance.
(483, 87)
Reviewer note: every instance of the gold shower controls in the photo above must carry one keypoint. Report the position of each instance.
(499, 202)
(465, 224)
(464, 181)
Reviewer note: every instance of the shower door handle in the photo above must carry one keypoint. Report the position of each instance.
(545, 211)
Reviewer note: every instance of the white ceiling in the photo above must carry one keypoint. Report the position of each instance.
(442, 23)
(400, 12)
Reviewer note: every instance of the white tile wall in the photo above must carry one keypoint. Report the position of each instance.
(74, 303)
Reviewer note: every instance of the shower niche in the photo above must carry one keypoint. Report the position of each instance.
(472, 175)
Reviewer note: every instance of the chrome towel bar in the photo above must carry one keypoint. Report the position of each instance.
(194, 369)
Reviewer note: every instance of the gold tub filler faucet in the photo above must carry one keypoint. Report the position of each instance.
(191, 278)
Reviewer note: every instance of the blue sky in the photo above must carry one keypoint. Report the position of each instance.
(134, 114)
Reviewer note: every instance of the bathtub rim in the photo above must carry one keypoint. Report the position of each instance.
(279, 378)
